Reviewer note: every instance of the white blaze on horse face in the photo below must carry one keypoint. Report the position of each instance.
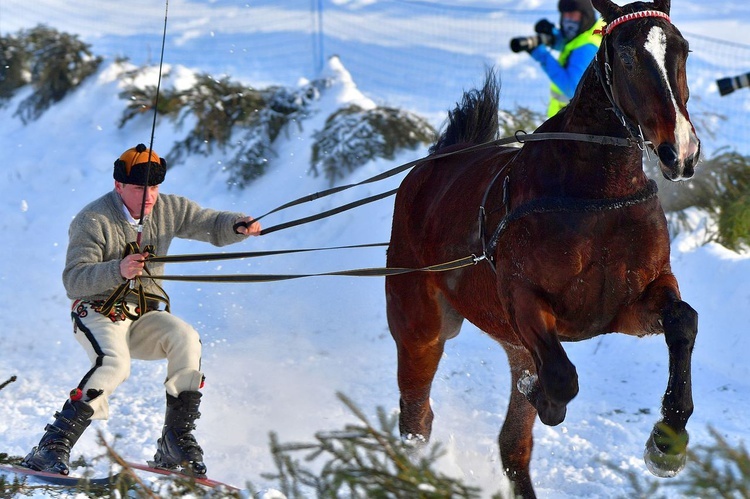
(686, 143)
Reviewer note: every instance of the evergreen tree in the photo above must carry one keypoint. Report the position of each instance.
(13, 64)
(142, 100)
(282, 108)
(58, 63)
(353, 136)
(522, 119)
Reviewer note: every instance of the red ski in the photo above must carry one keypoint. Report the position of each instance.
(56, 478)
(176, 473)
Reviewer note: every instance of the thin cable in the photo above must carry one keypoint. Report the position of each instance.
(153, 125)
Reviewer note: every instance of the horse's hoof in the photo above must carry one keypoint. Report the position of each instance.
(665, 464)
(414, 445)
(550, 413)
(413, 440)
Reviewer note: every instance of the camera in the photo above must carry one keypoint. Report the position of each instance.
(529, 43)
(732, 83)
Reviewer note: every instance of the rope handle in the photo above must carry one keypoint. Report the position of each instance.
(120, 294)
(242, 224)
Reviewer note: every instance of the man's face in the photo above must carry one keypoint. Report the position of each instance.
(570, 24)
(132, 197)
(572, 16)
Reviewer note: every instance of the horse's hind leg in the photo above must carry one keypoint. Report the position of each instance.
(516, 438)
(420, 321)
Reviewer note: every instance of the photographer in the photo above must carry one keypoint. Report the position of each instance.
(576, 43)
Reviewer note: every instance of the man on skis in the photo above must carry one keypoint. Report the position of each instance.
(113, 328)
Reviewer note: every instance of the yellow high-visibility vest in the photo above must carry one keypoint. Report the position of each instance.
(558, 100)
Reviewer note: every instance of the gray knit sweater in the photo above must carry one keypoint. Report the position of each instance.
(99, 233)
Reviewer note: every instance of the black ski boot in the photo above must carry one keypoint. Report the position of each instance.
(177, 448)
(53, 452)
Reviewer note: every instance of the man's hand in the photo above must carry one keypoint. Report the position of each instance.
(247, 226)
(527, 43)
(132, 265)
(544, 27)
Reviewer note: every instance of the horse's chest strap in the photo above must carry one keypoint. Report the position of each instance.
(567, 205)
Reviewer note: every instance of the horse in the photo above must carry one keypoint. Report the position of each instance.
(569, 238)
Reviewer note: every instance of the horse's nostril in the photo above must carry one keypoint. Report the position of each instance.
(667, 155)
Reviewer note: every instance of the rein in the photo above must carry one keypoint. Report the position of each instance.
(153, 125)
(519, 137)
(466, 261)
(128, 287)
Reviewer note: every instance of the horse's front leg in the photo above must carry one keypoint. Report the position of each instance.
(662, 309)
(556, 380)
(665, 453)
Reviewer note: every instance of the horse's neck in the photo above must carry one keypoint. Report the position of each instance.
(585, 166)
(591, 109)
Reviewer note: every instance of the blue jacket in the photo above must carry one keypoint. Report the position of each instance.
(566, 71)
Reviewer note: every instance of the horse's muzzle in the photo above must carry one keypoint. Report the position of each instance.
(678, 164)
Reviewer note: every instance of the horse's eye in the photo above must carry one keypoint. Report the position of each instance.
(628, 58)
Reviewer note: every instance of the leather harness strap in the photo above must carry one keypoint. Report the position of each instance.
(519, 137)
(145, 300)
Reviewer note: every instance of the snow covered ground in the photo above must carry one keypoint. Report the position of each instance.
(275, 354)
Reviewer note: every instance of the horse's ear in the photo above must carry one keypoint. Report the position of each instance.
(608, 9)
(662, 5)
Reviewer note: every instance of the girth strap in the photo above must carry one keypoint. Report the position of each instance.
(566, 204)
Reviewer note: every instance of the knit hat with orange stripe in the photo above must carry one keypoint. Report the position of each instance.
(135, 164)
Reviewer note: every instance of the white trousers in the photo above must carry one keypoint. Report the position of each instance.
(111, 344)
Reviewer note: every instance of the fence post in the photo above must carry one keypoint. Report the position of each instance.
(317, 36)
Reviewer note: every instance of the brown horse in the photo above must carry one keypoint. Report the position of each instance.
(574, 238)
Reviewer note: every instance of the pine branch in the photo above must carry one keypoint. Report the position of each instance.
(144, 490)
(361, 461)
(10, 380)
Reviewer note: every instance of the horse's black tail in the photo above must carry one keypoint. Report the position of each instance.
(474, 120)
